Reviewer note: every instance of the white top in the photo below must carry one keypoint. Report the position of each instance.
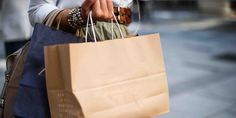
(39, 9)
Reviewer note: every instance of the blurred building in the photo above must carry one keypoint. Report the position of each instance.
(14, 20)
(226, 8)
(15, 27)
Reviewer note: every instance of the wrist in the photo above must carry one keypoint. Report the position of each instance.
(62, 21)
(75, 18)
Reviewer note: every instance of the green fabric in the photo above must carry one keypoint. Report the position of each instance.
(103, 31)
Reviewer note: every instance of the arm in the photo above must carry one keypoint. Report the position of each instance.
(39, 9)
(101, 9)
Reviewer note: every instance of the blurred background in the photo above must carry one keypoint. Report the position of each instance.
(199, 43)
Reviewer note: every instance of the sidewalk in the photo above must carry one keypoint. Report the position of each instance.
(201, 79)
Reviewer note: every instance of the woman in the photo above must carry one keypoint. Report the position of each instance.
(73, 15)
(101, 10)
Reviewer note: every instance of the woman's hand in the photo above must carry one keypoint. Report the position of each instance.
(101, 9)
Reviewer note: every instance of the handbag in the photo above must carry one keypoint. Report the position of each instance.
(14, 68)
(31, 97)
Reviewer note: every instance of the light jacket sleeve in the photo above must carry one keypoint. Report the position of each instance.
(39, 9)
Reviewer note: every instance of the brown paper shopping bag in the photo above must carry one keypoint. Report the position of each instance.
(122, 78)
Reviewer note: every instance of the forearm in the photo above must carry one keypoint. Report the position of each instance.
(63, 18)
(40, 9)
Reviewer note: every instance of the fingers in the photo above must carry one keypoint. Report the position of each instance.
(110, 8)
(87, 6)
(97, 11)
(103, 4)
(102, 9)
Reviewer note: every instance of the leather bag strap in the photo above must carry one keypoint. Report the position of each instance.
(51, 17)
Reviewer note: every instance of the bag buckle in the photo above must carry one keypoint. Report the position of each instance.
(2, 99)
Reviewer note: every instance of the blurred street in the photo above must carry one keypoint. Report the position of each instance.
(200, 57)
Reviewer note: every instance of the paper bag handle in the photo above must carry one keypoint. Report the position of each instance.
(89, 18)
(118, 25)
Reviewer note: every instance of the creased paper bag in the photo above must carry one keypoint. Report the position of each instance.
(122, 78)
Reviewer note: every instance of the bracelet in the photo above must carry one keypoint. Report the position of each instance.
(75, 19)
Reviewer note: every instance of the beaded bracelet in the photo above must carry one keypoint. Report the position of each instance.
(75, 19)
